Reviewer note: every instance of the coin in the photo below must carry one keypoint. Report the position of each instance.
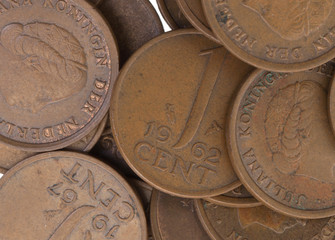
(134, 23)
(194, 12)
(58, 65)
(280, 141)
(175, 218)
(172, 14)
(260, 223)
(237, 198)
(275, 35)
(10, 156)
(64, 195)
(168, 121)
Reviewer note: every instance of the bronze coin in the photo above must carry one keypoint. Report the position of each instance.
(134, 22)
(10, 156)
(275, 35)
(281, 144)
(168, 120)
(172, 14)
(175, 218)
(194, 12)
(260, 223)
(237, 198)
(58, 64)
(64, 195)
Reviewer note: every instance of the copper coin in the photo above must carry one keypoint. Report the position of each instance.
(63, 195)
(168, 121)
(260, 223)
(58, 65)
(172, 14)
(281, 143)
(275, 35)
(175, 218)
(134, 22)
(237, 198)
(194, 12)
(10, 156)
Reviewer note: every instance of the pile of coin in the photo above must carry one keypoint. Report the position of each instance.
(221, 129)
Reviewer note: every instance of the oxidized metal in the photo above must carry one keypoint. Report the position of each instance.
(279, 36)
(63, 195)
(172, 14)
(260, 223)
(168, 121)
(281, 144)
(58, 65)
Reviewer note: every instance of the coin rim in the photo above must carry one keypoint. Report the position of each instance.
(331, 104)
(232, 202)
(166, 14)
(153, 215)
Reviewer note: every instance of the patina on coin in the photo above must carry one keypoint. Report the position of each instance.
(175, 218)
(194, 12)
(281, 144)
(63, 195)
(168, 120)
(279, 36)
(260, 223)
(237, 198)
(172, 14)
(58, 64)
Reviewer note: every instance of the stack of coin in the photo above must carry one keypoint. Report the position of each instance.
(222, 129)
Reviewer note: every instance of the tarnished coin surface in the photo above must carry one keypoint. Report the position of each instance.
(172, 14)
(281, 144)
(168, 121)
(237, 198)
(175, 218)
(58, 64)
(63, 195)
(194, 12)
(134, 22)
(260, 223)
(279, 36)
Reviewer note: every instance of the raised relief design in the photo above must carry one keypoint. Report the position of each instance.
(48, 58)
(292, 19)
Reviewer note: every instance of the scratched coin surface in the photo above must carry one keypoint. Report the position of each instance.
(134, 22)
(275, 35)
(168, 121)
(237, 198)
(58, 64)
(64, 195)
(281, 144)
(175, 218)
(172, 14)
(194, 12)
(260, 223)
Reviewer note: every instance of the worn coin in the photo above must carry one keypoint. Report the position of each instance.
(168, 121)
(275, 35)
(260, 223)
(237, 198)
(175, 218)
(58, 64)
(172, 14)
(64, 195)
(134, 23)
(194, 12)
(281, 144)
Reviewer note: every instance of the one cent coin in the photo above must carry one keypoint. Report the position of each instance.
(168, 121)
(260, 223)
(63, 195)
(194, 12)
(134, 22)
(58, 65)
(237, 198)
(281, 144)
(175, 218)
(172, 14)
(275, 35)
